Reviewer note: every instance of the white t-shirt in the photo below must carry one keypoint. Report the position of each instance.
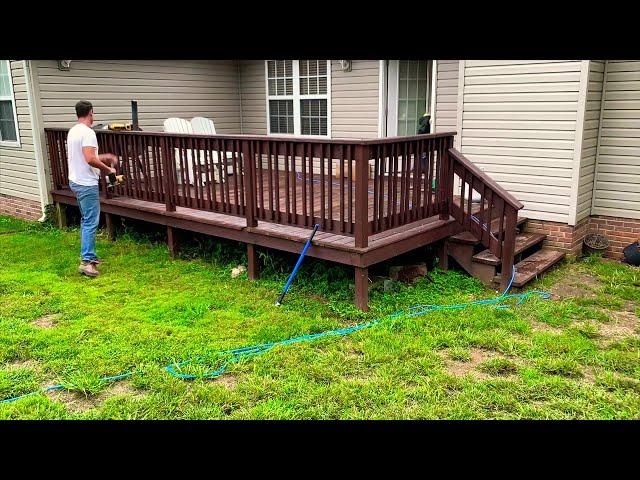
(80, 171)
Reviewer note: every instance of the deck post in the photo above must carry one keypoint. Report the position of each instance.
(169, 177)
(362, 288)
(110, 226)
(249, 184)
(508, 246)
(172, 242)
(446, 178)
(362, 196)
(253, 269)
(61, 215)
(443, 255)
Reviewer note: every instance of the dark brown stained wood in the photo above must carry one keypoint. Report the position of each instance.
(443, 255)
(508, 245)
(524, 241)
(277, 183)
(253, 270)
(260, 188)
(533, 265)
(322, 182)
(376, 218)
(362, 288)
(110, 226)
(172, 241)
(270, 176)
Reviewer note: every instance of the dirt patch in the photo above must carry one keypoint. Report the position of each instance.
(78, 402)
(575, 285)
(623, 324)
(544, 327)
(470, 367)
(47, 321)
(229, 381)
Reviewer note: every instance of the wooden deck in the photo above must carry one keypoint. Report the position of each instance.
(373, 199)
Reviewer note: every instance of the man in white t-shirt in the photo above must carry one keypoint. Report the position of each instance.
(85, 165)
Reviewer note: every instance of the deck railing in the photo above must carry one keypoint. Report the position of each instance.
(352, 187)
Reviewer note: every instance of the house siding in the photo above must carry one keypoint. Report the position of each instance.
(253, 97)
(446, 95)
(355, 99)
(590, 139)
(518, 124)
(18, 171)
(162, 88)
(617, 176)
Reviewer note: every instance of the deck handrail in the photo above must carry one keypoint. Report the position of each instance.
(486, 179)
(272, 138)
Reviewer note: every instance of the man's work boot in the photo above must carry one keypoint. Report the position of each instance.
(89, 269)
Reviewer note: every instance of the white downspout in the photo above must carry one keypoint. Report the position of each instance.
(37, 139)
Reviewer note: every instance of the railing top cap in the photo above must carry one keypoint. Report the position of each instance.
(265, 138)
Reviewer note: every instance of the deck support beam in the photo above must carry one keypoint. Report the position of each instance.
(110, 226)
(253, 270)
(172, 241)
(362, 288)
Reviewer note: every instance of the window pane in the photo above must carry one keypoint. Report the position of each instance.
(272, 87)
(304, 86)
(322, 85)
(313, 117)
(281, 116)
(7, 127)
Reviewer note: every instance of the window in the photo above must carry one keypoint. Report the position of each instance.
(8, 120)
(298, 97)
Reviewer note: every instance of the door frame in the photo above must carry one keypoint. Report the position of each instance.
(389, 95)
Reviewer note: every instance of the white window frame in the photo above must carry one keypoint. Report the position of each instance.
(12, 97)
(296, 97)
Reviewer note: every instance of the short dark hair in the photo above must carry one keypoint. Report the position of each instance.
(83, 108)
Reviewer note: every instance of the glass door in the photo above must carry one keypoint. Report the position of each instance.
(409, 92)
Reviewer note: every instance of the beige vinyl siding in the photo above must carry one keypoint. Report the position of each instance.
(162, 88)
(18, 174)
(355, 99)
(617, 182)
(446, 95)
(253, 97)
(518, 124)
(590, 139)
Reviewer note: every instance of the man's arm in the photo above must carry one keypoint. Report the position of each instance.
(100, 161)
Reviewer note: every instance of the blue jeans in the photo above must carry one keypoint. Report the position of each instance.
(89, 203)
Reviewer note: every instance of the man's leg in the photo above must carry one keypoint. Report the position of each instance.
(90, 218)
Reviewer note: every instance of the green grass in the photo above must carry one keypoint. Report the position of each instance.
(147, 310)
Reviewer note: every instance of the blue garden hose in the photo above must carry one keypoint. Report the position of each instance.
(239, 354)
(298, 263)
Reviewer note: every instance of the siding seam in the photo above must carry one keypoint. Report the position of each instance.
(595, 165)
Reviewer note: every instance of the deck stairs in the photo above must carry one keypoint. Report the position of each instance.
(530, 258)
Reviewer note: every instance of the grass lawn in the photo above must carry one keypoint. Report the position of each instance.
(575, 356)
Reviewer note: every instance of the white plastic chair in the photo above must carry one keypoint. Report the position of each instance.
(205, 126)
(181, 126)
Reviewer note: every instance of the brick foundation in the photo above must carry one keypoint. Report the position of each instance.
(20, 208)
(620, 232)
(560, 236)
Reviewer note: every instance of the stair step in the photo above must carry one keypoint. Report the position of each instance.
(534, 265)
(470, 239)
(523, 242)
